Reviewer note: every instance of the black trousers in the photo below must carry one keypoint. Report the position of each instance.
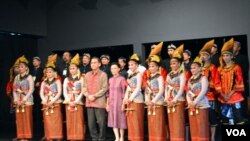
(97, 123)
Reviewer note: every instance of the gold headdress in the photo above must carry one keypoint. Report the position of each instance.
(197, 60)
(178, 53)
(22, 59)
(154, 58)
(75, 60)
(12, 69)
(16, 63)
(207, 47)
(228, 47)
(51, 62)
(157, 49)
(135, 57)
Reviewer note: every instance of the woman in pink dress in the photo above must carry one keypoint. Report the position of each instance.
(116, 117)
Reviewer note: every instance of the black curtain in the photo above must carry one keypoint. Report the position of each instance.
(12, 47)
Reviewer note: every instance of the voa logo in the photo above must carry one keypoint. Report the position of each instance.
(236, 132)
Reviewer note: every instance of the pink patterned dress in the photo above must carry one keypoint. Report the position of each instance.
(117, 88)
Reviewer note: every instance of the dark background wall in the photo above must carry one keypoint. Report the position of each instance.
(24, 16)
(110, 23)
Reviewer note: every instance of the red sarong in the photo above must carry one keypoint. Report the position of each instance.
(75, 124)
(199, 125)
(176, 121)
(135, 121)
(24, 123)
(157, 127)
(53, 123)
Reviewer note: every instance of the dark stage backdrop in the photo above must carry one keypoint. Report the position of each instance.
(12, 47)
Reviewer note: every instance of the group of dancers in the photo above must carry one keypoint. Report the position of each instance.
(170, 99)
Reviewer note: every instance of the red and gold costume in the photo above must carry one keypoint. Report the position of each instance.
(210, 71)
(232, 87)
(231, 79)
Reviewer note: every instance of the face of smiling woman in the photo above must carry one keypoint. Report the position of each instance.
(195, 69)
(50, 73)
(153, 67)
(22, 68)
(174, 64)
(132, 65)
(73, 69)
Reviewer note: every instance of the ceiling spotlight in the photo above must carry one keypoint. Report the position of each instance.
(12, 34)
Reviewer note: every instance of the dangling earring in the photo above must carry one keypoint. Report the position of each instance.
(27, 71)
(55, 75)
(78, 73)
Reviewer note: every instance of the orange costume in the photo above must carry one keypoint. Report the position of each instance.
(51, 92)
(157, 127)
(210, 71)
(23, 88)
(198, 112)
(174, 95)
(73, 93)
(135, 105)
(232, 88)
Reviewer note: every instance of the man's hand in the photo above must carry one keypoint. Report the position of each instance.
(91, 98)
(107, 108)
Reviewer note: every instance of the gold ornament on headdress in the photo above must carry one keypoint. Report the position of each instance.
(228, 47)
(135, 57)
(22, 59)
(52, 58)
(154, 58)
(207, 47)
(12, 69)
(51, 61)
(197, 60)
(16, 63)
(157, 49)
(178, 53)
(75, 60)
(51, 65)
